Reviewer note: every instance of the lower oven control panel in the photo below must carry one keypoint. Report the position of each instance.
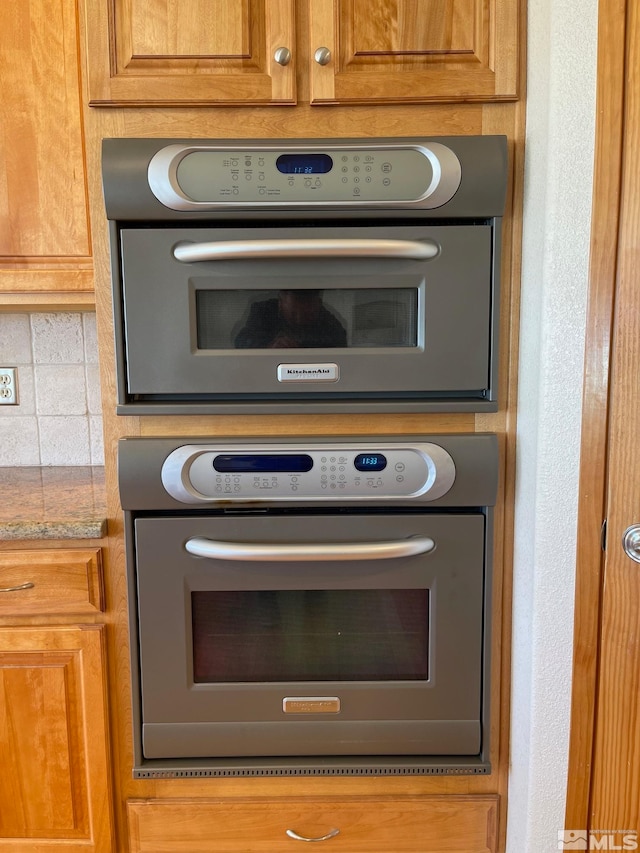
(197, 474)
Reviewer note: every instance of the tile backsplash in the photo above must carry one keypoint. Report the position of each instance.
(58, 419)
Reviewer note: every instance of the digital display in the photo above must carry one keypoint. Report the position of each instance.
(304, 164)
(262, 463)
(370, 462)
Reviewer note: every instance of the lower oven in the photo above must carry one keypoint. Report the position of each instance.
(310, 607)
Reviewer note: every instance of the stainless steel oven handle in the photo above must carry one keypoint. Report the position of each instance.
(278, 552)
(412, 249)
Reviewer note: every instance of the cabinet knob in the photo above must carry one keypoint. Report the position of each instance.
(282, 56)
(631, 542)
(322, 55)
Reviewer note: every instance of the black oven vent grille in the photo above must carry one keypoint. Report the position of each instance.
(198, 773)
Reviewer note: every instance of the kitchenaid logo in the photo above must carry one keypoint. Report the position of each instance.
(327, 372)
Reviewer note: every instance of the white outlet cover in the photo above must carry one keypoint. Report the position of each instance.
(8, 386)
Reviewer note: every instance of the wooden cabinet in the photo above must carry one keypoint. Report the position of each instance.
(414, 51)
(55, 791)
(44, 583)
(189, 51)
(226, 51)
(402, 824)
(44, 231)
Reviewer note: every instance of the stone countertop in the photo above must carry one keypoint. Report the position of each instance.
(52, 503)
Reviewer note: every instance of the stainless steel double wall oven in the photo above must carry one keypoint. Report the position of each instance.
(311, 605)
(332, 275)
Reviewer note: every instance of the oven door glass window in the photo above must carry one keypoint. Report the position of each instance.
(310, 635)
(306, 318)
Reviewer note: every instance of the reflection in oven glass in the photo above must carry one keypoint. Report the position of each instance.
(294, 318)
(310, 635)
(306, 317)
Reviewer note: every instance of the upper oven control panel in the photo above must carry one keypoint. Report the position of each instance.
(188, 177)
(197, 474)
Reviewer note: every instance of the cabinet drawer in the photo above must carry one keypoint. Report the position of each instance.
(50, 582)
(404, 824)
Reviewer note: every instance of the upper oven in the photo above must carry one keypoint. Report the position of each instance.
(333, 275)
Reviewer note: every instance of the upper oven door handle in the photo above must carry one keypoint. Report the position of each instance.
(246, 249)
(277, 552)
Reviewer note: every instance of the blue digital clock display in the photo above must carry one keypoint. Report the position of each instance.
(304, 164)
(370, 462)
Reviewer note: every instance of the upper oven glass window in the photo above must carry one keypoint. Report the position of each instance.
(307, 318)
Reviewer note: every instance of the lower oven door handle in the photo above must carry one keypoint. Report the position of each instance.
(222, 251)
(339, 551)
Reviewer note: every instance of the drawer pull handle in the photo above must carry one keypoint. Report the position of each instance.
(331, 834)
(27, 585)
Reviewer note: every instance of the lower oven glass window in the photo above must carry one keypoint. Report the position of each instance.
(307, 318)
(310, 635)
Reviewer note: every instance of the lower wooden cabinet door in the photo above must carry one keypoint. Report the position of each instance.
(397, 824)
(54, 781)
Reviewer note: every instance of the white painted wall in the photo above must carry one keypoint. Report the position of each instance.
(558, 183)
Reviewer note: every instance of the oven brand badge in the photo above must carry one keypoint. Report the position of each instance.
(311, 705)
(327, 372)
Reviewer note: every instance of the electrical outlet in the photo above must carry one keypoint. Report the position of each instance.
(8, 386)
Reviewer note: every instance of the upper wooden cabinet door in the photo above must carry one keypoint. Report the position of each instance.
(414, 51)
(189, 51)
(44, 232)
